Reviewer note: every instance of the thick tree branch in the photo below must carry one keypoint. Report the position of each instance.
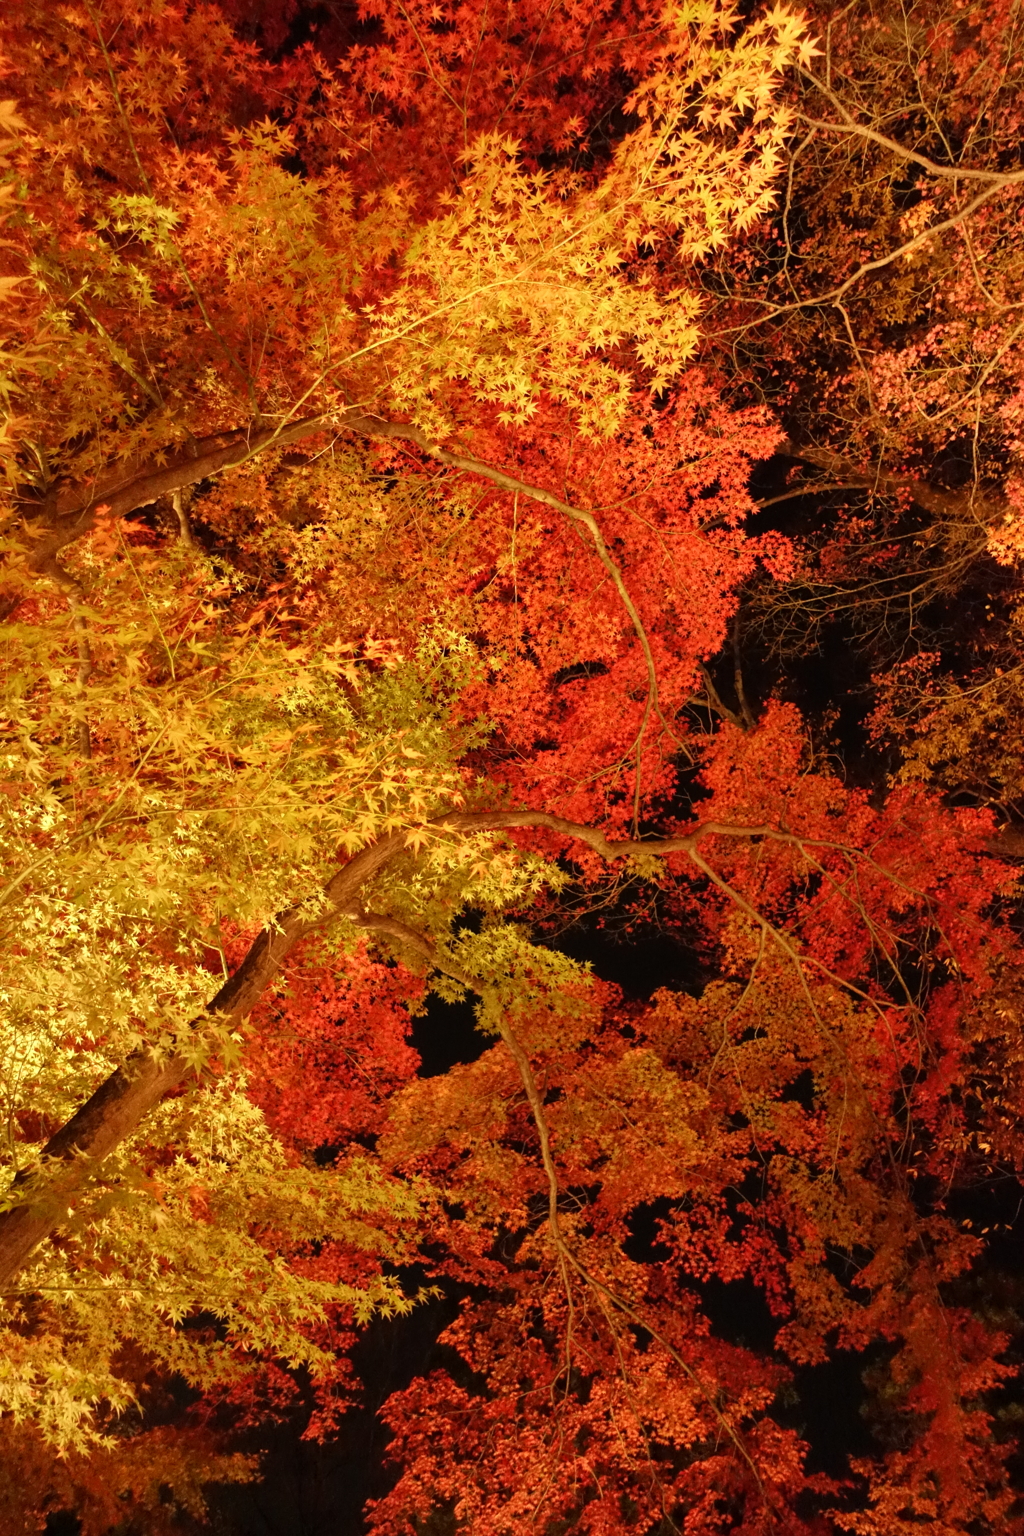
(121, 1103)
(56, 520)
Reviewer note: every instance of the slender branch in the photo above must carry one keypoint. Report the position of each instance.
(737, 674)
(73, 512)
(808, 487)
(933, 167)
(568, 1259)
(577, 515)
(72, 590)
(833, 295)
(229, 352)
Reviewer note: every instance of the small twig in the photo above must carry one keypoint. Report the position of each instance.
(737, 674)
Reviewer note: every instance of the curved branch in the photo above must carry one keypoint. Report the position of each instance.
(568, 1259)
(773, 311)
(950, 505)
(860, 130)
(120, 1104)
(578, 515)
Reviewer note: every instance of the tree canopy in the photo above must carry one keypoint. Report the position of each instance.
(435, 438)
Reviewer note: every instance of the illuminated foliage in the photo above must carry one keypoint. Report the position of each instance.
(372, 522)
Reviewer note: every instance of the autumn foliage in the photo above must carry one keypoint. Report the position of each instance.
(389, 398)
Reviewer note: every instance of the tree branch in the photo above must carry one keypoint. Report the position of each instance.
(122, 1101)
(568, 1258)
(953, 506)
(933, 167)
(71, 512)
(577, 515)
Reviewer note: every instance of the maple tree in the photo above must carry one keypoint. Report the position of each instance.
(377, 499)
(877, 309)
